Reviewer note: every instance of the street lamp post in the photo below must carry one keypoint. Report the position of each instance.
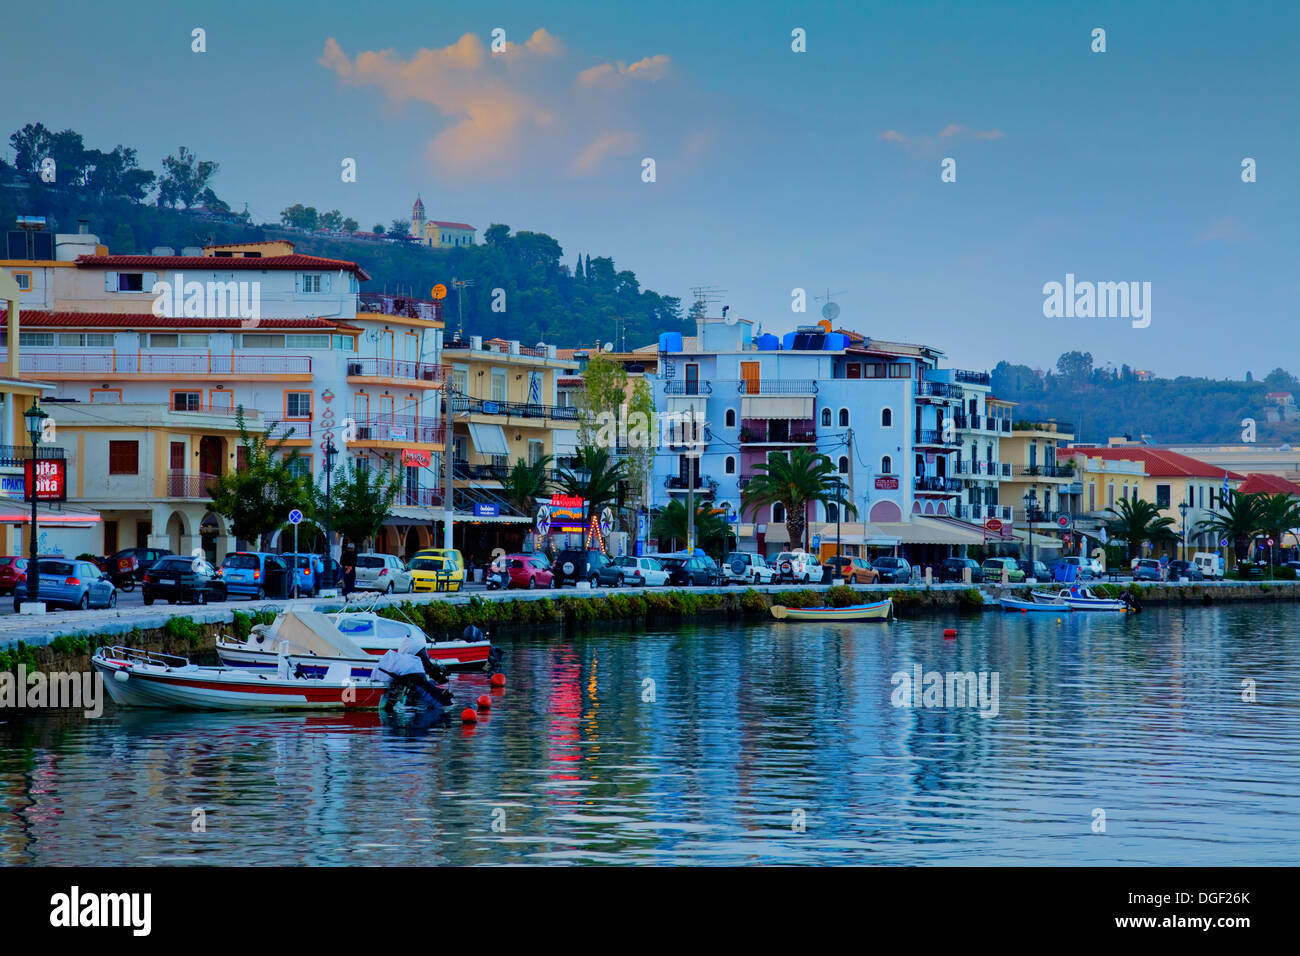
(330, 454)
(1031, 506)
(35, 417)
(839, 506)
(1183, 509)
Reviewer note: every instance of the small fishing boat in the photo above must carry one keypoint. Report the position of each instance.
(1082, 599)
(879, 611)
(139, 678)
(1012, 604)
(366, 636)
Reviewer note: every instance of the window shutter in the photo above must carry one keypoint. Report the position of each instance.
(297, 282)
(150, 279)
(325, 282)
(110, 281)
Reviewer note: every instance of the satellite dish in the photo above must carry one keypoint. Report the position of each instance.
(830, 311)
(607, 347)
(540, 346)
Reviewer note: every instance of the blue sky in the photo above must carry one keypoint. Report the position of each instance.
(775, 169)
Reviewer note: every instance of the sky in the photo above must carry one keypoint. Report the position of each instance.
(775, 170)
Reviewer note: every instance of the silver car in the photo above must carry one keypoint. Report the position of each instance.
(383, 572)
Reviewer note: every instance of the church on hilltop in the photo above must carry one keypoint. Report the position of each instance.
(436, 234)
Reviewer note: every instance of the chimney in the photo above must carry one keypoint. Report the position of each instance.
(514, 346)
(476, 343)
(83, 227)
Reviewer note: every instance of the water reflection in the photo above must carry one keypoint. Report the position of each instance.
(750, 730)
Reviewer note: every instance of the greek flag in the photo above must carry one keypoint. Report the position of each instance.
(1225, 486)
(535, 389)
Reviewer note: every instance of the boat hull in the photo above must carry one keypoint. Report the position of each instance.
(1011, 604)
(878, 611)
(214, 688)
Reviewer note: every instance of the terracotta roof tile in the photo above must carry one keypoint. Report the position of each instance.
(294, 262)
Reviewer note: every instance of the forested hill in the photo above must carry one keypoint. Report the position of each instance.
(1105, 402)
(549, 295)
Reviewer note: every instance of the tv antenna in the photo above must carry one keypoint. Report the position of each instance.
(831, 310)
(706, 295)
(460, 285)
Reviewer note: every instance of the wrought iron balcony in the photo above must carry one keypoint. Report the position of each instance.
(777, 386)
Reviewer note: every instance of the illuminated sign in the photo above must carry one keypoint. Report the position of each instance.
(51, 479)
(411, 458)
(566, 513)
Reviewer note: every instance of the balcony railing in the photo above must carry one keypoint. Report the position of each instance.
(421, 497)
(935, 483)
(482, 406)
(777, 386)
(1003, 425)
(288, 429)
(1060, 428)
(972, 378)
(981, 469)
(1044, 471)
(381, 304)
(468, 472)
(182, 485)
(940, 390)
(397, 368)
(401, 428)
(152, 363)
(688, 388)
(13, 456)
(933, 437)
(682, 483)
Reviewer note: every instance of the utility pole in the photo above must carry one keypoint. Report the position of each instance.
(448, 458)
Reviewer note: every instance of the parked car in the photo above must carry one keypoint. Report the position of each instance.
(454, 564)
(991, 570)
(1211, 564)
(574, 565)
(141, 560)
(1034, 569)
(176, 578)
(1147, 569)
(434, 573)
(951, 569)
(853, 570)
(695, 570)
(308, 572)
(747, 567)
(798, 566)
(1185, 571)
(67, 583)
(526, 571)
(1085, 568)
(632, 570)
(13, 569)
(255, 574)
(386, 573)
(892, 570)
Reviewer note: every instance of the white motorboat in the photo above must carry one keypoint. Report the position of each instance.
(139, 678)
(1082, 599)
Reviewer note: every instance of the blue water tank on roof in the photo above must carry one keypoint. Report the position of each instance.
(787, 340)
(836, 342)
(670, 342)
(768, 343)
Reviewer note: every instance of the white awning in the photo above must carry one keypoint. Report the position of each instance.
(564, 443)
(489, 439)
(921, 531)
(773, 406)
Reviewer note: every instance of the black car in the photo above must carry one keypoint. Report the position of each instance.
(697, 570)
(893, 570)
(176, 578)
(951, 569)
(573, 566)
(1185, 571)
(142, 559)
(1034, 569)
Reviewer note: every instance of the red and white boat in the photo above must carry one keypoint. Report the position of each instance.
(138, 678)
(368, 636)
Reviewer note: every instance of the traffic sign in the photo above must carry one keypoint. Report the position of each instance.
(1063, 520)
(1269, 542)
(1223, 542)
(295, 516)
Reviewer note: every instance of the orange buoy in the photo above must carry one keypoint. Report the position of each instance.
(469, 716)
(950, 632)
(484, 702)
(497, 680)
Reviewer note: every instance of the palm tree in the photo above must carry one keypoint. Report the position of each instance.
(1279, 515)
(711, 528)
(526, 483)
(1136, 520)
(1241, 518)
(793, 482)
(595, 480)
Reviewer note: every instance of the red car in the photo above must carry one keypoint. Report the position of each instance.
(529, 571)
(13, 571)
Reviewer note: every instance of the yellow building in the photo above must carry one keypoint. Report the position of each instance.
(1041, 466)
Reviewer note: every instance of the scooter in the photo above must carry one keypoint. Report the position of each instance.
(497, 580)
(123, 576)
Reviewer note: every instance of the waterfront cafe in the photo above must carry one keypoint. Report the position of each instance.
(922, 541)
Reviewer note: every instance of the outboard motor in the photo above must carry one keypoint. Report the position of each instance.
(472, 633)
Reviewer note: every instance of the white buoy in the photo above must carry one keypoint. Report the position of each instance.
(123, 676)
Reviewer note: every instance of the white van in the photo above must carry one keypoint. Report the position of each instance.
(1211, 564)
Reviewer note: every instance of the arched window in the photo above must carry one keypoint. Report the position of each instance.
(886, 465)
(731, 418)
(886, 418)
(844, 464)
(729, 466)
(778, 513)
(844, 418)
(832, 511)
(826, 418)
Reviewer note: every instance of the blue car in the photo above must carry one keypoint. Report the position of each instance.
(68, 583)
(255, 574)
(308, 572)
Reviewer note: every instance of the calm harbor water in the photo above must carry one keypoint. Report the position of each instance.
(750, 729)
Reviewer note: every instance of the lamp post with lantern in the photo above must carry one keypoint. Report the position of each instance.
(35, 417)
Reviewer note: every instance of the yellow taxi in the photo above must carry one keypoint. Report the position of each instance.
(435, 569)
